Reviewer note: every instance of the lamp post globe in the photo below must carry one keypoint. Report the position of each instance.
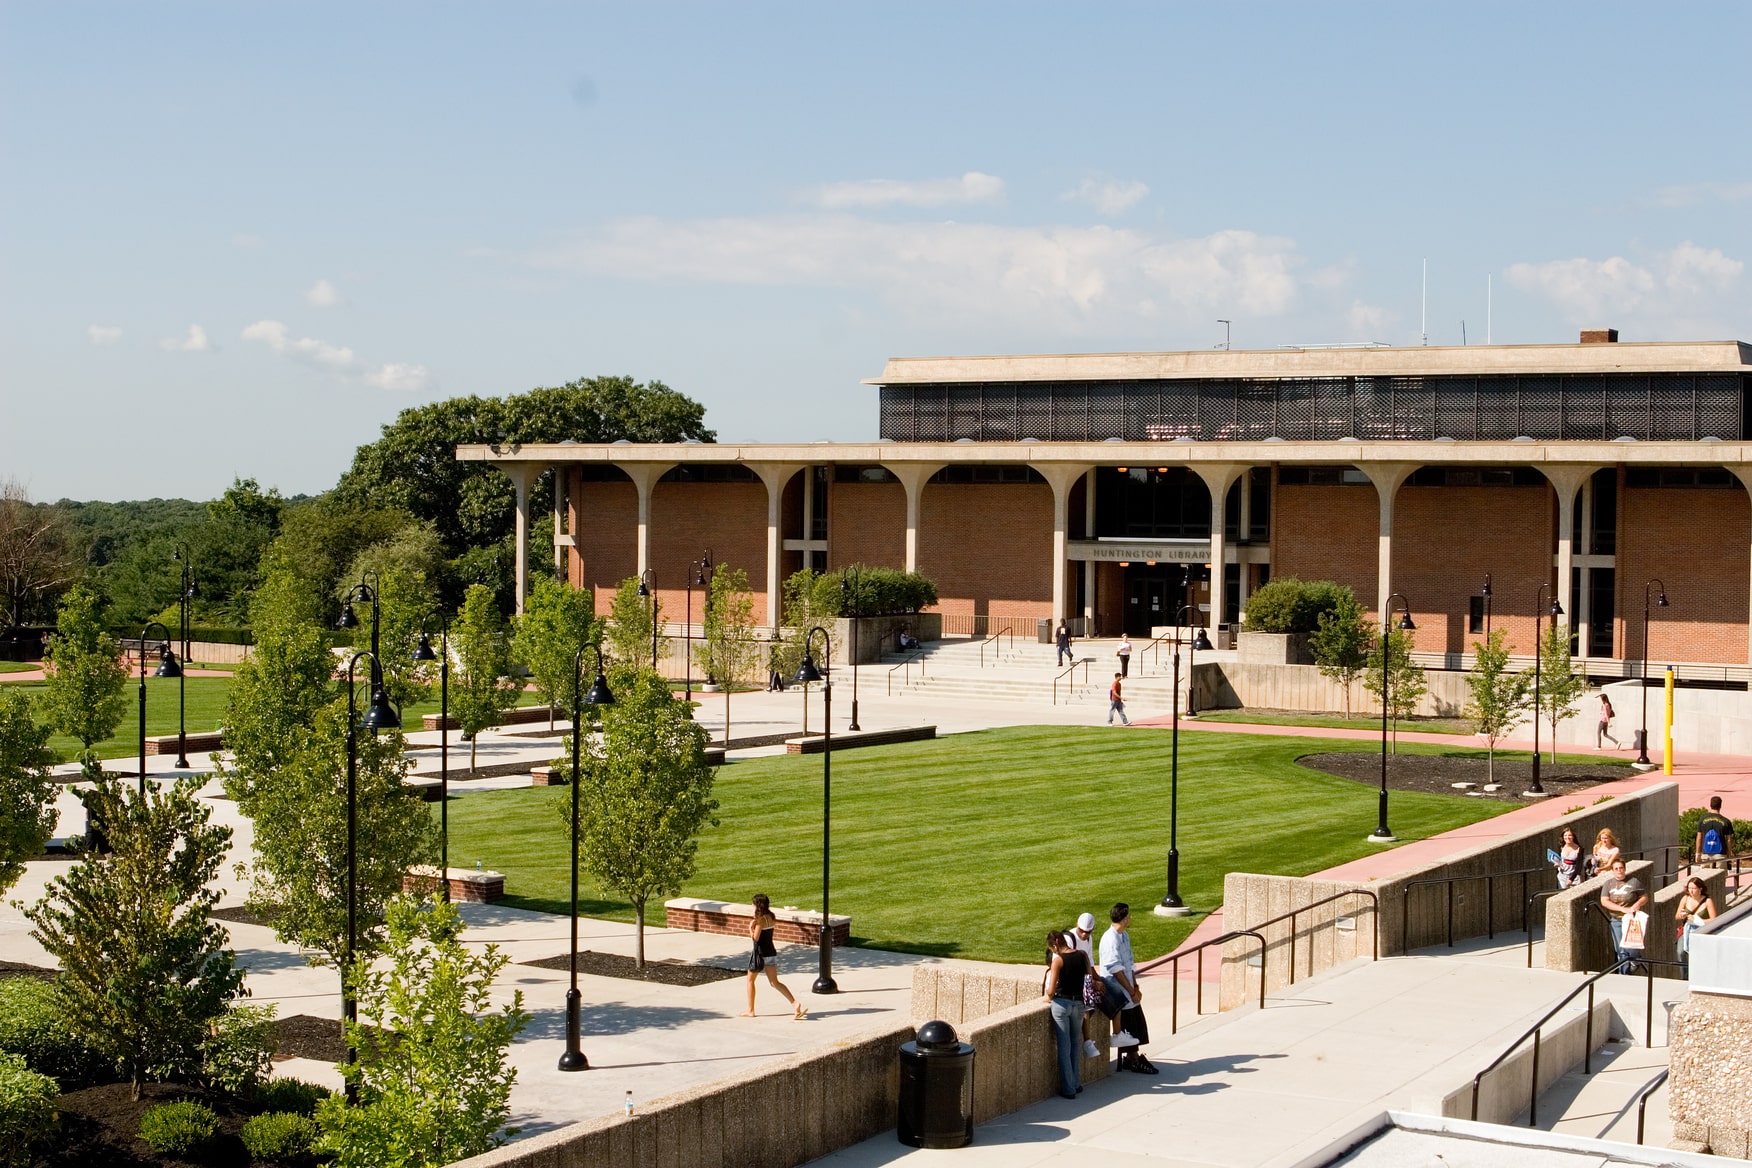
(598, 695)
(806, 673)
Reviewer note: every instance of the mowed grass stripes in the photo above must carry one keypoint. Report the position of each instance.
(973, 845)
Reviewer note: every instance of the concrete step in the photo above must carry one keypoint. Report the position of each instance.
(1602, 1105)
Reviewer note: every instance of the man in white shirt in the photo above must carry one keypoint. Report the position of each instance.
(1117, 967)
(1112, 997)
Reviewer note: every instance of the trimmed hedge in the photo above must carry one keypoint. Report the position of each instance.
(33, 1027)
(183, 1129)
(290, 1095)
(868, 591)
(281, 1137)
(28, 1111)
(1289, 605)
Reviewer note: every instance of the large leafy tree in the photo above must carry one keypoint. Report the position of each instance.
(323, 538)
(83, 696)
(277, 692)
(434, 1081)
(38, 556)
(646, 794)
(27, 792)
(1340, 643)
(1498, 697)
(557, 622)
(144, 967)
(479, 688)
(413, 466)
(300, 819)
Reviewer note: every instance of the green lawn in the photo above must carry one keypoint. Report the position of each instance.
(975, 844)
(1333, 722)
(19, 666)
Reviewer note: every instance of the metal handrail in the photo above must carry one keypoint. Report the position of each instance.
(999, 650)
(1072, 668)
(1375, 912)
(1156, 646)
(1642, 1101)
(1648, 970)
(1172, 960)
(1489, 879)
(906, 664)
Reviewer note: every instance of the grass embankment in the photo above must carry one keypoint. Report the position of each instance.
(975, 844)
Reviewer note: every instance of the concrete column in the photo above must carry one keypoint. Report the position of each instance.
(775, 475)
(1219, 478)
(560, 499)
(1089, 576)
(913, 476)
(1566, 481)
(1061, 477)
(1744, 474)
(1387, 477)
(644, 476)
(522, 476)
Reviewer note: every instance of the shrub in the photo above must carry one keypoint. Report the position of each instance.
(1289, 605)
(290, 1095)
(33, 1025)
(239, 1049)
(182, 1129)
(281, 1137)
(28, 1114)
(873, 591)
(1687, 837)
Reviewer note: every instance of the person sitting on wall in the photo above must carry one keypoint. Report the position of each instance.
(908, 642)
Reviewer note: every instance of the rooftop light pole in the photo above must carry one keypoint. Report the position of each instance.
(1555, 611)
(806, 673)
(168, 666)
(1642, 758)
(1383, 834)
(599, 695)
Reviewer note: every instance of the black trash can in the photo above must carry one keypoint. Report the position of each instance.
(936, 1089)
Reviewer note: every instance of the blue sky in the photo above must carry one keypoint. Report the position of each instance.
(249, 234)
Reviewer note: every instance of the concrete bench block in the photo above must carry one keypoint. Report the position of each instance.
(466, 884)
(851, 739)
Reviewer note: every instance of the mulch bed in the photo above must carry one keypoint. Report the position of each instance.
(676, 973)
(101, 1125)
(239, 915)
(307, 1036)
(20, 969)
(1437, 774)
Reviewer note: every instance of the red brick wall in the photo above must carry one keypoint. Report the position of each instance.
(1446, 538)
(1109, 599)
(605, 525)
(988, 547)
(688, 518)
(1697, 543)
(1327, 533)
(866, 524)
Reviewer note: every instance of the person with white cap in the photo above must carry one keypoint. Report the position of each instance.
(1112, 997)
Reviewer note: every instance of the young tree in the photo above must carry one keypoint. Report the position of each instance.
(84, 696)
(27, 793)
(300, 818)
(731, 652)
(1560, 686)
(1498, 697)
(1340, 644)
(145, 968)
(646, 793)
(406, 604)
(811, 599)
(627, 639)
(1405, 676)
(557, 621)
(279, 688)
(478, 686)
(435, 1084)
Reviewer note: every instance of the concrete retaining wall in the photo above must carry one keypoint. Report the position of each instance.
(1302, 687)
(1578, 937)
(1708, 1043)
(1503, 1093)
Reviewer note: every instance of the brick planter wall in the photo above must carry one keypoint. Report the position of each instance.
(715, 916)
(466, 885)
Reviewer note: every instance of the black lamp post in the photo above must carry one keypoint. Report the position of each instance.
(599, 695)
(1486, 595)
(424, 652)
(806, 673)
(1383, 834)
(648, 590)
(699, 575)
(168, 666)
(379, 715)
(1172, 905)
(365, 589)
(1556, 611)
(852, 601)
(184, 602)
(1642, 758)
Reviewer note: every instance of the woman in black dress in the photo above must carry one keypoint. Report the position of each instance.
(765, 956)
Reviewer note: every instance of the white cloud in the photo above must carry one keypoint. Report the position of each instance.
(337, 359)
(103, 334)
(1368, 322)
(1684, 284)
(1109, 197)
(972, 187)
(323, 294)
(195, 342)
(1691, 194)
(1106, 277)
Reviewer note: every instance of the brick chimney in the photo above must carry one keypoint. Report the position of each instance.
(1599, 336)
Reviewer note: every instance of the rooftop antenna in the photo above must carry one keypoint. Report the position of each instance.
(1463, 333)
(1225, 324)
(1487, 279)
(1424, 320)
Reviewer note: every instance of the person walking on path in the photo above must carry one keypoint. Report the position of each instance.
(1714, 844)
(1116, 703)
(1064, 992)
(1604, 729)
(1116, 964)
(1062, 638)
(1124, 655)
(766, 956)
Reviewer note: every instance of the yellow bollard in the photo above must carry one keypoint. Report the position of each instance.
(1667, 730)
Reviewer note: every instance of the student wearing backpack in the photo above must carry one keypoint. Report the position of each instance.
(1714, 844)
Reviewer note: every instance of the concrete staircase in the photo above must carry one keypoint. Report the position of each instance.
(1017, 671)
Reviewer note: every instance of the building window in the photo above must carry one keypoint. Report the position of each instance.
(965, 473)
(1321, 476)
(862, 474)
(709, 472)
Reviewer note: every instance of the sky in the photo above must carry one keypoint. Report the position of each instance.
(237, 239)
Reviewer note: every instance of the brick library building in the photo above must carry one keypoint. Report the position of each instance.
(1119, 490)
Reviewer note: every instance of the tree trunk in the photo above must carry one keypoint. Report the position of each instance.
(1490, 761)
(639, 936)
(726, 717)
